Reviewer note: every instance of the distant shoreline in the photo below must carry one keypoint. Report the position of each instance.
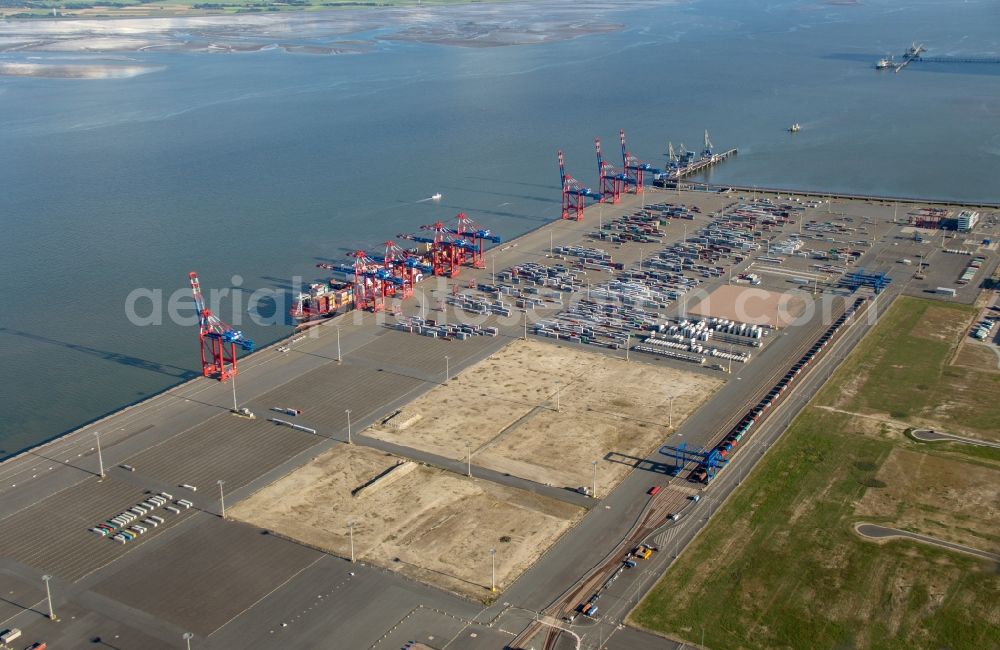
(117, 9)
(317, 28)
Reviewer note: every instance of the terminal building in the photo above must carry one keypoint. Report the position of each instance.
(967, 220)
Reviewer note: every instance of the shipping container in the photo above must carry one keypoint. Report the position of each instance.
(10, 635)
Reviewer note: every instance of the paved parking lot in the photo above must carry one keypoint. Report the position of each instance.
(70, 551)
(423, 354)
(334, 604)
(225, 447)
(436, 628)
(17, 594)
(324, 394)
(208, 574)
(90, 628)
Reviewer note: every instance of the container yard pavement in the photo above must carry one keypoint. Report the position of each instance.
(213, 553)
(71, 551)
(427, 523)
(781, 564)
(504, 410)
(50, 495)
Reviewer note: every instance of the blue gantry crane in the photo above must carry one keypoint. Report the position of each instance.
(709, 461)
(857, 279)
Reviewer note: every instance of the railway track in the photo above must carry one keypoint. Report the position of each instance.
(660, 506)
(764, 386)
(655, 514)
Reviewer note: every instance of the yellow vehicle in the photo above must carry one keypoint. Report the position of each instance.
(643, 552)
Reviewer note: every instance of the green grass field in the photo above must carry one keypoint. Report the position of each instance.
(780, 565)
(902, 369)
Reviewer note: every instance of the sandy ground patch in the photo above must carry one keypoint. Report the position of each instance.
(504, 409)
(948, 499)
(750, 305)
(430, 524)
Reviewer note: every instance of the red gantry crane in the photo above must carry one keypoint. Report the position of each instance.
(612, 182)
(402, 264)
(373, 281)
(573, 193)
(469, 230)
(453, 246)
(218, 340)
(636, 166)
(448, 252)
(370, 290)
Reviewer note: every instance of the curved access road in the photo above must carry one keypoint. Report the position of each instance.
(930, 435)
(873, 531)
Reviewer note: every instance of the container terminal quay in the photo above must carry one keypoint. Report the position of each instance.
(503, 447)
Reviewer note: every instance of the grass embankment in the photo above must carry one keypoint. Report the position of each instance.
(780, 566)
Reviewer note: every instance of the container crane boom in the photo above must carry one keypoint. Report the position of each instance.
(218, 340)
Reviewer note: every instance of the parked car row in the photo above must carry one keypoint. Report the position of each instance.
(983, 329)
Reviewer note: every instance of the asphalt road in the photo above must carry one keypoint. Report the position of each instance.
(929, 435)
(875, 531)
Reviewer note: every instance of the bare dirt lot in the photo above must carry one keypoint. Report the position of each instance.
(750, 305)
(505, 410)
(429, 524)
(948, 499)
